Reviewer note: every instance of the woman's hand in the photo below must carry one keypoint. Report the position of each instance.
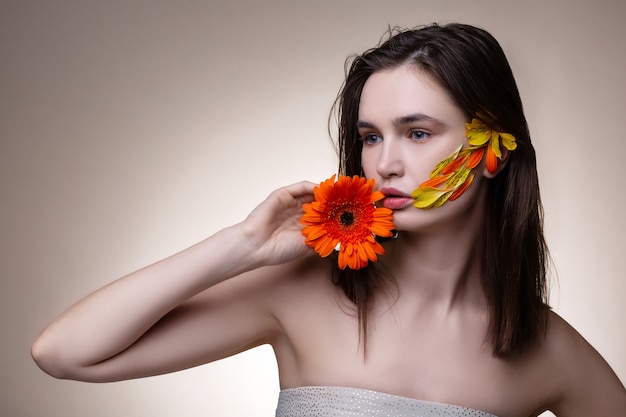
(273, 228)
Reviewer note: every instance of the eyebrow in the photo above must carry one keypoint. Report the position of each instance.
(405, 120)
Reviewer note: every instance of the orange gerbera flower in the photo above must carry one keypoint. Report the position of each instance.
(344, 216)
(453, 176)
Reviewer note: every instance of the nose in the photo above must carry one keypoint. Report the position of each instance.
(390, 162)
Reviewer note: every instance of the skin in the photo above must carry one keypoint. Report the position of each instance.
(256, 282)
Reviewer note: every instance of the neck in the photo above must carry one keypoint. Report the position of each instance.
(440, 267)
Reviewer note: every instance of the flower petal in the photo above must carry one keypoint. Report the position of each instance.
(427, 196)
(491, 161)
(475, 157)
(376, 195)
(495, 144)
(441, 165)
(436, 181)
(454, 165)
(369, 252)
(314, 232)
(458, 178)
(508, 141)
(477, 138)
(462, 188)
(329, 228)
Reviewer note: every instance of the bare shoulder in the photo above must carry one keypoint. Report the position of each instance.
(296, 290)
(583, 382)
(288, 283)
(272, 291)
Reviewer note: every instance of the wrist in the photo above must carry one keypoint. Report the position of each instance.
(247, 245)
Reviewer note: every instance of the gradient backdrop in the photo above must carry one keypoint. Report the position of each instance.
(132, 129)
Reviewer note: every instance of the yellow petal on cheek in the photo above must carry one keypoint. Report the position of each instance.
(462, 188)
(443, 164)
(458, 178)
(428, 196)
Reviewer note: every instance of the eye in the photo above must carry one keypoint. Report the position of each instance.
(371, 139)
(418, 135)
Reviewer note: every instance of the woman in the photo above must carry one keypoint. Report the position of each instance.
(451, 320)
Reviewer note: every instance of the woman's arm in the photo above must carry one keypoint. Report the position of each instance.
(184, 310)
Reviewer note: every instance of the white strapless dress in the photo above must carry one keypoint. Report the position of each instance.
(354, 402)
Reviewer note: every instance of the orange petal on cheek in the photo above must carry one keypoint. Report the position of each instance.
(475, 158)
(454, 165)
(436, 181)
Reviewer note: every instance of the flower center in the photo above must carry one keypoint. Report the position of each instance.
(347, 218)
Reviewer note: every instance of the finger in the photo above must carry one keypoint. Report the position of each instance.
(301, 191)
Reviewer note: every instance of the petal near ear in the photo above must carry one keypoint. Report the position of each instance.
(508, 141)
(493, 164)
(491, 161)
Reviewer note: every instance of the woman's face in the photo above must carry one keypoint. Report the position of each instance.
(408, 124)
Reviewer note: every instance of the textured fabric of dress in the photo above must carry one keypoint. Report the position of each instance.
(353, 402)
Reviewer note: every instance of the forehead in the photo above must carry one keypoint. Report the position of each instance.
(404, 90)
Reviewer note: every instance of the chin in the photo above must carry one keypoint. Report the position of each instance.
(412, 219)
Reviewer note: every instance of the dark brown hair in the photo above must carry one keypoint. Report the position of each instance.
(471, 65)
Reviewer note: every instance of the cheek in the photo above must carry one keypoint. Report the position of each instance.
(368, 163)
(419, 166)
(420, 171)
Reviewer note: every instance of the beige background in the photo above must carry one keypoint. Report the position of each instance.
(132, 129)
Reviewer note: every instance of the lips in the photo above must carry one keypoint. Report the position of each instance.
(395, 199)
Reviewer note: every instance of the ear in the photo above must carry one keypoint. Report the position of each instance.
(501, 164)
